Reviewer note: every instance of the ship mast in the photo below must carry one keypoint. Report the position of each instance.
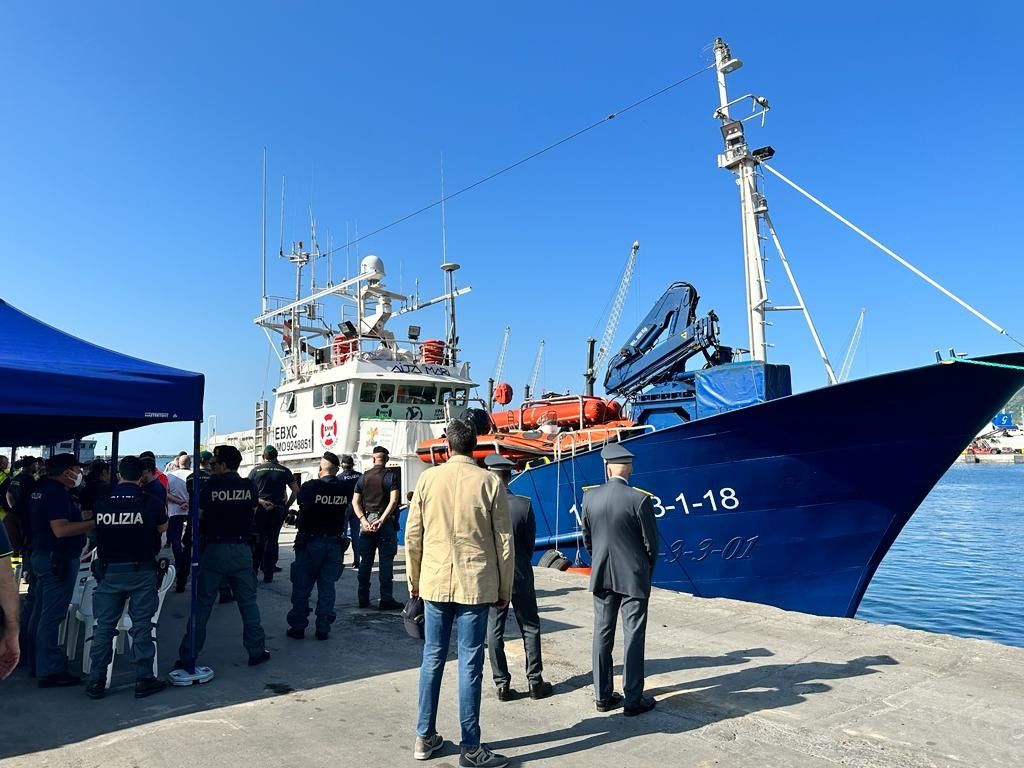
(738, 159)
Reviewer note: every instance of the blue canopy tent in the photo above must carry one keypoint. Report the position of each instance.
(54, 387)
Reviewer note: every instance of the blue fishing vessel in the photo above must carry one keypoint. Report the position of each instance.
(756, 499)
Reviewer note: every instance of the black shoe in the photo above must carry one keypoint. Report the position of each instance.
(364, 603)
(321, 635)
(268, 578)
(606, 705)
(96, 689)
(646, 705)
(147, 686)
(278, 569)
(254, 660)
(59, 680)
(505, 693)
(296, 634)
(540, 690)
(179, 588)
(391, 605)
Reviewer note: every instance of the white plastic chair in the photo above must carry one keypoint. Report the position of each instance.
(126, 623)
(85, 619)
(67, 635)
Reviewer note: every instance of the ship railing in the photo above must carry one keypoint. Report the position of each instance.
(570, 443)
(581, 400)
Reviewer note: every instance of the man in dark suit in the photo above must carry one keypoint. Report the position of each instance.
(621, 534)
(524, 597)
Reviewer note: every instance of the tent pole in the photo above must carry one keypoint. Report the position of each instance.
(193, 527)
(76, 448)
(115, 438)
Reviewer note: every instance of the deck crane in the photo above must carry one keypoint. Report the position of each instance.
(594, 363)
(535, 376)
(851, 351)
(498, 368)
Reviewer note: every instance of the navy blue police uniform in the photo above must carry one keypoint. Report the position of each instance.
(348, 479)
(319, 548)
(128, 524)
(19, 528)
(375, 487)
(55, 564)
(227, 505)
(271, 480)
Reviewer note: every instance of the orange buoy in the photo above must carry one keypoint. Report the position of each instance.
(503, 393)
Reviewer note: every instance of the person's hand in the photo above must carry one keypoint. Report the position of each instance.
(267, 505)
(10, 653)
(365, 526)
(500, 604)
(414, 593)
(86, 515)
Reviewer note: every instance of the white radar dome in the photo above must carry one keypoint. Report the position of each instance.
(372, 264)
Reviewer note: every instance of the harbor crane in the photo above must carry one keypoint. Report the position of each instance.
(851, 351)
(614, 315)
(498, 368)
(535, 376)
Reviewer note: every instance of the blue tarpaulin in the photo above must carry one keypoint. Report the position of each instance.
(54, 386)
(737, 385)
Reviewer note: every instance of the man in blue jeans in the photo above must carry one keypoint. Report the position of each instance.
(58, 536)
(458, 546)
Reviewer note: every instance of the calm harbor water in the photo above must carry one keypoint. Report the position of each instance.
(958, 565)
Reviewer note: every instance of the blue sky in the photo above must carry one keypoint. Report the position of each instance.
(131, 143)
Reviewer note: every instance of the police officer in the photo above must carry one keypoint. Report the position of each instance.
(182, 574)
(227, 505)
(58, 536)
(621, 534)
(19, 528)
(524, 597)
(348, 477)
(273, 481)
(128, 526)
(319, 548)
(375, 503)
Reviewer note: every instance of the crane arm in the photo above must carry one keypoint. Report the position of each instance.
(617, 305)
(535, 376)
(500, 366)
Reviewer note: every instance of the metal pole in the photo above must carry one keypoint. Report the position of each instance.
(590, 375)
(115, 439)
(490, 394)
(193, 527)
(263, 238)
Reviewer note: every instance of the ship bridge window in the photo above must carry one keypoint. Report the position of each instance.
(341, 393)
(417, 394)
(387, 393)
(456, 397)
(368, 392)
(288, 403)
(323, 396)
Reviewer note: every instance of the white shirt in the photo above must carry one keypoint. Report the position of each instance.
(176, 486)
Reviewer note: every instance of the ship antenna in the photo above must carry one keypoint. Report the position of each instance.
(263, 236)
(280, 248)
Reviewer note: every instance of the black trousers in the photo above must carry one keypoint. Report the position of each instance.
(524, 605)
(268, 526)
(607, 605)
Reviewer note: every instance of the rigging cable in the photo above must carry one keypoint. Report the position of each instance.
(894, 255)
(528, 158)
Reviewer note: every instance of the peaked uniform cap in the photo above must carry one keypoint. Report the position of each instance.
(616, 454)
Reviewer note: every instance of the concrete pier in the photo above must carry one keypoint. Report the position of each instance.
(737, 684)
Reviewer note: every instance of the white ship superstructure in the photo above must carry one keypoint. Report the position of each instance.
(348, 383)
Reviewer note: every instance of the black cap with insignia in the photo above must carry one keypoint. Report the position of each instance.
(498, 462)
(616, 454)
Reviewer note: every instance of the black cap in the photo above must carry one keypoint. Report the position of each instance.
(331, 459)
(381, 449)
(269, 452)
(61, 463)
(498, 462)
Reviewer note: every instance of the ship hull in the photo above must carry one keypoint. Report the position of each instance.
(792, 502)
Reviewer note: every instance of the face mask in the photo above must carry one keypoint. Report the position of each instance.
(79, 479)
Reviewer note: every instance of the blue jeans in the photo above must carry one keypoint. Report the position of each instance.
(384, 543)
(354, 529)
(54, 587)
(471, 627)
(139, 588)
(317, 563)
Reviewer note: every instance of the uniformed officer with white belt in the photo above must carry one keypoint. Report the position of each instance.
(128, 527)
(621, 534)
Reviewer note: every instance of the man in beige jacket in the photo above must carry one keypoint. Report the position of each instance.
(458, 552)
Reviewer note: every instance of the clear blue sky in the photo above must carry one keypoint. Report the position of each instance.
(132, 133)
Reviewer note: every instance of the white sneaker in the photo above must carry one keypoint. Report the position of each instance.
(481, 757)
(426, 746)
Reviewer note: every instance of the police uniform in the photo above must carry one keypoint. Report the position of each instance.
(319, 547)
(271, 479)
(348, 479)
(227, 504)
(524, 596)
(19, 528)
(185, 567)
(621, 534)
(55, 569)
(375, 486)
(127, 543)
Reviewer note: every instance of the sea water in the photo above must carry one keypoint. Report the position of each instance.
(958, 565)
